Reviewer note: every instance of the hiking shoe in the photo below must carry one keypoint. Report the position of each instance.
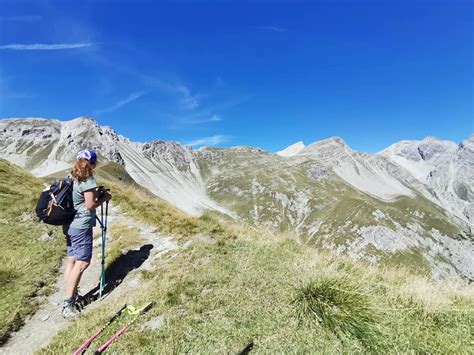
(70, 310)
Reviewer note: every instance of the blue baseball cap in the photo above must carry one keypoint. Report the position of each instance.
(88, 155)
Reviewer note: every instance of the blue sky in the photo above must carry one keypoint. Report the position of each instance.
(258, 73)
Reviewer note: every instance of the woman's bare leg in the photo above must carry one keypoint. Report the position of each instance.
(75, 276)
(70, 261)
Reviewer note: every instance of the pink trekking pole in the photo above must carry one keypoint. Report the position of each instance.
(86, 344)
(124, 329)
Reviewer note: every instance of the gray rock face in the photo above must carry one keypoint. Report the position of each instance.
(446, 169)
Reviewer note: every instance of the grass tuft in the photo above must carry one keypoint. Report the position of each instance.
(338, 304)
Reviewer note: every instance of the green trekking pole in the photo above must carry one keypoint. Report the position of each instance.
(104, 241)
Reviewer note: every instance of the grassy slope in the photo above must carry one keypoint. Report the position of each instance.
(31, 251)
(239, 285)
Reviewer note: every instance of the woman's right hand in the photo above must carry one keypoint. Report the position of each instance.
(108, 196)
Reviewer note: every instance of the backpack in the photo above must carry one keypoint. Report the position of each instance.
(55, 205)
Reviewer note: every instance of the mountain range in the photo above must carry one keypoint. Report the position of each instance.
(410, 204)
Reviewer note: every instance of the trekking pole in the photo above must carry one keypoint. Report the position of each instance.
(86, 344)
(124, 329)
(104, 240)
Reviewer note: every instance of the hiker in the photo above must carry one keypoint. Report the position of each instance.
(79, 232)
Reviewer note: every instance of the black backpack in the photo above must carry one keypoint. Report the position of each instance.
(55, 206)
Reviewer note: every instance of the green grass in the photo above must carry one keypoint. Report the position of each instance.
(114, 172)
(339, 304)
(31, 251)
(144, 206)
(242, 285)
(121, 237)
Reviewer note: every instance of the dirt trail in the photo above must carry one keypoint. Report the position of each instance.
(47, 321)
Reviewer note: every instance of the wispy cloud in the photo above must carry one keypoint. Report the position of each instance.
(45, 47)
(213, 118)
(188, 101)
(271, 28)
(132, 97)
(208, 141)
(22, 18)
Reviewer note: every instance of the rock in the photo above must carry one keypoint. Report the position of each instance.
(204, 238)
(153, 323)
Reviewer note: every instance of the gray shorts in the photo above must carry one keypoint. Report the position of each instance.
(79, 243)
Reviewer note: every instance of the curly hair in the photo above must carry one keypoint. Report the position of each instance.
(82, 170)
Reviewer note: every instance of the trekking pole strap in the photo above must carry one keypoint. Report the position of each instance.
(100, 222)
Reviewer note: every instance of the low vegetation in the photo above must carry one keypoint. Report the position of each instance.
(121, 237)
(143, 206)
(231, 285)
(31, 252)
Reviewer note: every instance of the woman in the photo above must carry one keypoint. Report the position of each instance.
(79, 232)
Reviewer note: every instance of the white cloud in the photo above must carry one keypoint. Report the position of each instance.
(271, 28)
(213, 118)
(208, 141)
(132, 97)
(188, 101)
(45, 47)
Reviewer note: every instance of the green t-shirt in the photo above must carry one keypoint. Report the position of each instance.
(84, 218)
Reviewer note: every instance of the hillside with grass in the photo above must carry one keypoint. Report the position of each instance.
(229, 285)
(31, 252)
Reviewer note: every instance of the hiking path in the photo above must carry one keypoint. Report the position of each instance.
(47, 321)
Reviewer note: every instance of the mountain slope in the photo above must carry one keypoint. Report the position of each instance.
(47, 146)
(307, 196)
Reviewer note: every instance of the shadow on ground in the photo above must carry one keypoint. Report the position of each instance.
(117, 271)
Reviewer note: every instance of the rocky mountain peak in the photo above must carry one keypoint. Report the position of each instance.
(168, 151)
(467, 143)
(332, 146)
(430, 148)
